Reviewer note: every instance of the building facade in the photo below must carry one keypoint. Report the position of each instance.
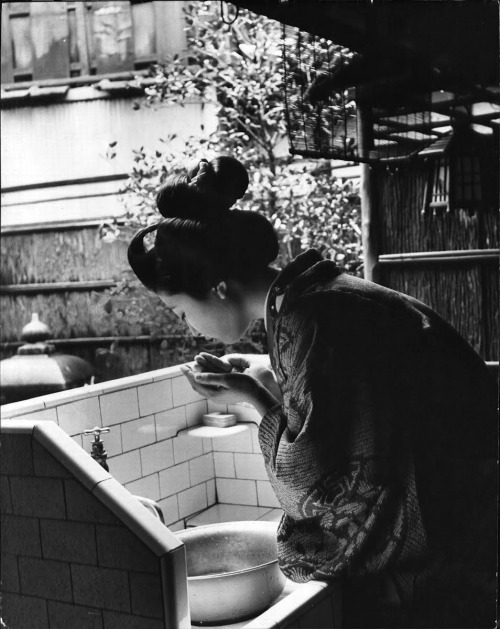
(73, 85)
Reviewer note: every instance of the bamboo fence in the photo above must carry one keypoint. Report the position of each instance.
(448, 260)
(63, 275)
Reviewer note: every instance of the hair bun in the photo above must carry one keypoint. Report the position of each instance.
(254, 241)
(225, 178)
(177, 198)
(208, 190)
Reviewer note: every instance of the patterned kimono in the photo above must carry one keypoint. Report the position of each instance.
(383, 451)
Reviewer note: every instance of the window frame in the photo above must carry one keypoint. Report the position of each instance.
(83, 71)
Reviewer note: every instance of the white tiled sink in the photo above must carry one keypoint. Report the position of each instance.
(312, 605)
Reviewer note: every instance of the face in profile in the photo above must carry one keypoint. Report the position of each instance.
(215, 316)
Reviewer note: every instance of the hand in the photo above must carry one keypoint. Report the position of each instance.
(255, 365)
(231, 388)
(206, 362)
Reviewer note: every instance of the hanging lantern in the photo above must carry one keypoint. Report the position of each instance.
(437, 189)
(461, 174)
(469, 152)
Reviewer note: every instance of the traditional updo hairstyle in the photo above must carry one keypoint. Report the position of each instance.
(201, 241)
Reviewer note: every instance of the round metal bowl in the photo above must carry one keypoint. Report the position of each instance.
(232, 569)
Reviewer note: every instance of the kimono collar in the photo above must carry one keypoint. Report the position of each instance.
(292, 271)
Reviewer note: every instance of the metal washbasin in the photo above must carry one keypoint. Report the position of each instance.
(232, 569)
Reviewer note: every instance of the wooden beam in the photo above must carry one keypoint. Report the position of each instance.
(98, 340)
(66, 182)
(431, 126)
(438, 257)
(56, 287)
(447, 107)
(396, 136)
(93, 195)
(77, 80)
(60, 225)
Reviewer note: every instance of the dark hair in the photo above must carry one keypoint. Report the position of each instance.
(200, 240)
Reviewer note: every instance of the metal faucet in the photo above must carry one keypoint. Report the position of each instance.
(99, 454)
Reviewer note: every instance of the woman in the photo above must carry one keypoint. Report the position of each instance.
(378, 420)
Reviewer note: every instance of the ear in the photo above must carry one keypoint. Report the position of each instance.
(221, 290)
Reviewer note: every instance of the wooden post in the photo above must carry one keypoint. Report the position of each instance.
(369, 226)
(369, 231)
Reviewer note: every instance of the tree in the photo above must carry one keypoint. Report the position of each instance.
(237, 68)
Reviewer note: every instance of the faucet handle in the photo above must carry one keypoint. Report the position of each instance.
(97, 431)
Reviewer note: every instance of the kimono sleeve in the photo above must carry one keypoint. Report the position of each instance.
(330, 447)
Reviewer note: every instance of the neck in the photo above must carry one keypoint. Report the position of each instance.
(254, 293)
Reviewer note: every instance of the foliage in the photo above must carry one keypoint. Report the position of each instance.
(237, 68)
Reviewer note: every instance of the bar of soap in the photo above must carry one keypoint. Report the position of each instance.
(219, 420)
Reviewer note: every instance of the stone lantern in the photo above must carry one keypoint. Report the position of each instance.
(37, 369)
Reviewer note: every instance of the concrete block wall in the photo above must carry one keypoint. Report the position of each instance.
(149, 450)
(123, 568)
(76, 549)
(240, 474)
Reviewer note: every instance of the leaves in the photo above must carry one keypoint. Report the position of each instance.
(238, 69)
(108, 306)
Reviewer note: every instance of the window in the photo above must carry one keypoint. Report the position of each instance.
(57, 40)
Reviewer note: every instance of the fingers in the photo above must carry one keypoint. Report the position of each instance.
(212, 363)
(202, 364)
(211, 380)
(224, 388)
(199, 380)
(191, 369)
(204, 389)
(238, 362)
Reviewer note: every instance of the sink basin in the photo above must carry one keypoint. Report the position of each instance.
(233, 571)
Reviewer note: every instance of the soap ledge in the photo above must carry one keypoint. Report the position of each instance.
(212, 432)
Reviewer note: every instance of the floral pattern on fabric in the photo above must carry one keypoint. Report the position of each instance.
(369, 413)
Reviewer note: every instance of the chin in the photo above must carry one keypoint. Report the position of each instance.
(233, 335)
(229, 338)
